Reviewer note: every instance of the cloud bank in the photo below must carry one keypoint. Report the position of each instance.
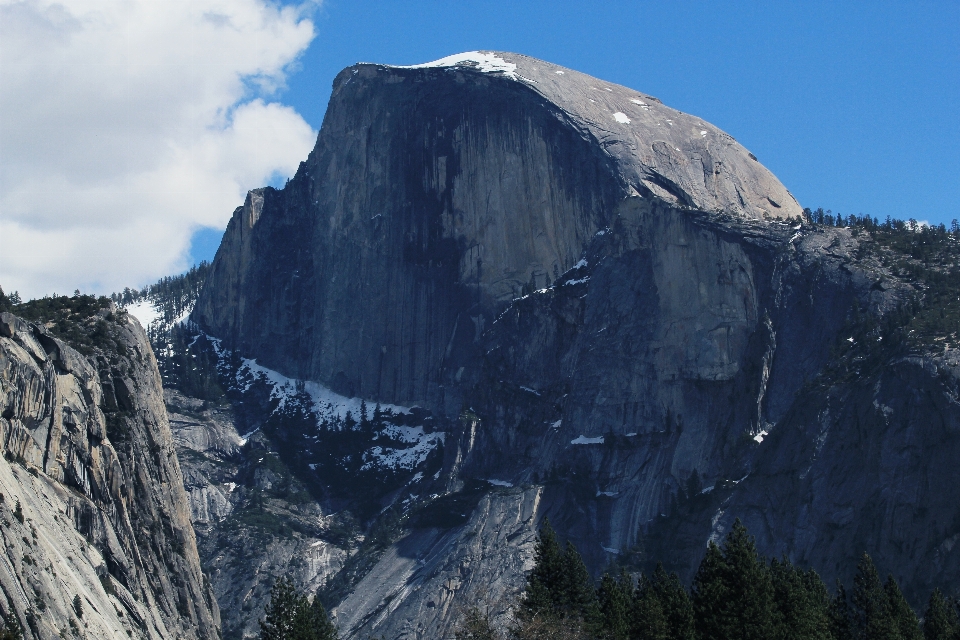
(125, 125)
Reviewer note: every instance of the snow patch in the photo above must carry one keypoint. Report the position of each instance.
(533, 391)
(407, 458)
(610, 549)
(759, 437)
(621, 117)
(631, 434)
(328, 405)
(578, 281)
(145, 312)
(703, 133)
(639, 102)
(585, 440)
(556, 425)
(609, 494)
(582, 263)
(484, 62)
(500, 483)
(559, 73)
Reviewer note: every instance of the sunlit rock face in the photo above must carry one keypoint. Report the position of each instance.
(435, 196)
(601, 298)
(93, 502)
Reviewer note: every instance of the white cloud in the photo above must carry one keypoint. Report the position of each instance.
(127, 124)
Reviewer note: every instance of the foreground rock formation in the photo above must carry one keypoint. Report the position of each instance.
(602, 302)
(95, 522)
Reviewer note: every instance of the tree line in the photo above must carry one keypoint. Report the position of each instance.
(737, 594)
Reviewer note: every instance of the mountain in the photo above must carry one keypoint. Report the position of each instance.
(615, 315)
(95, 521)
(497, 290)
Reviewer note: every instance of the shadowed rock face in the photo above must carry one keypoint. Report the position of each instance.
(620, 295)
(435, 196)
(90, 462)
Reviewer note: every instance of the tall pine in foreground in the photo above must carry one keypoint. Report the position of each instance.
(801, 604)
(615, 597)
(903, 618)
(732, 591)
(872, 619)
(940, 619)
(675, 603)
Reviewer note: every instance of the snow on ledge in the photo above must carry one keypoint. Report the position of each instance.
(500, 483)
(585, 440)
(485, 62)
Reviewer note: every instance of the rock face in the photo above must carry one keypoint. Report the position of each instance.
(242, 544)
(93, 503)
(614, 307)
(435, 196)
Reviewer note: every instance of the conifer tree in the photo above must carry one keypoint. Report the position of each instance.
(800, 603)
(290, 616)
(675, 602)
(281, 611)
(871, 605)
(902, 616)
(841, 623)
(940, 619)
(650, 621)
(544, 581)
(579, 597)
(732, 590)
(319, 623)
(615, 598)
(711, 594)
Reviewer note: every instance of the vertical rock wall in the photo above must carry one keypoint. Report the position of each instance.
(89, 459)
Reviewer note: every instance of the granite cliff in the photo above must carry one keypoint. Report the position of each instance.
(96, 525)
(612, 313)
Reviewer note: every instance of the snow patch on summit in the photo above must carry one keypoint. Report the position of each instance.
(485, 62)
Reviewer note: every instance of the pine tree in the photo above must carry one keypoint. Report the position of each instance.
(579, 598)
(711, 595)
(615, 597)
(315, 623)
(871, 605)
(291, 616)
(544, 581)
(800, 603)
(841, 617)
(281, 612)
(650, 621)
(675, 602)
(940, 619)
(903, 617)
(747, 576)
(732, 590)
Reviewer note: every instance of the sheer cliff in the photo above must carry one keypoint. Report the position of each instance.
(95, 521)
(614, 315)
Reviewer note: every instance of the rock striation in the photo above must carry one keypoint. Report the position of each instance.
(93, 509)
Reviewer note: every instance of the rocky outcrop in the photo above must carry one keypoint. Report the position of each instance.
(607, 303)
(96, 523)
(424, 583)
(435, 196)
(254, 522)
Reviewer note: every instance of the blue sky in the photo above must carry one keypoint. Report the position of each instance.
(855, 106)
(131, 129)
